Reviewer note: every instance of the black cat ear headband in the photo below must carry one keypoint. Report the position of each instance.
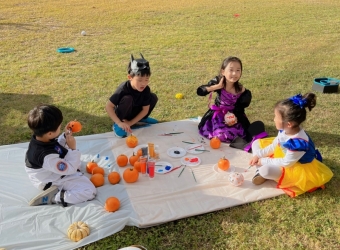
(137, 65)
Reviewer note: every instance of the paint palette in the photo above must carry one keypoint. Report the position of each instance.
(191, 161)
(191, 149)
(163, 167)
(176, 152)
(220, 171)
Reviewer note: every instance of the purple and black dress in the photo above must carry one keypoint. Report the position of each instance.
(212, 123)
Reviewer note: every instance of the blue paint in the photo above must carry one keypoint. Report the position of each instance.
(106, 158)
(159, 170)
(167, 167)
(97, 155)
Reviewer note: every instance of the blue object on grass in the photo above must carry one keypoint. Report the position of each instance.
(65, 50)
(326, 85)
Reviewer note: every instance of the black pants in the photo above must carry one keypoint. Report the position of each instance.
(126, 110)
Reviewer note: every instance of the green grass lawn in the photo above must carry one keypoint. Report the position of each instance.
(284, 45)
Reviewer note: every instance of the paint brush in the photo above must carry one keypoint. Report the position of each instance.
(195, 147)
(248, 168)
(170, 134)
(182, 171)
(174, 169)
(188, 142)
(202, 150)
(193, 174)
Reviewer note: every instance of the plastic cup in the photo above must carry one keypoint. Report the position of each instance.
(156, 157)
(151, 168)
(142, 162)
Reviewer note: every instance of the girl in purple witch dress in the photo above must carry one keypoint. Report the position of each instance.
(226, 118)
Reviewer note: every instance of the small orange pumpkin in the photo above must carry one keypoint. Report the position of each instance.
(223, 163)
(137, 166)
(112, 204)
(113, 178)
(130, 175)
(133, 158)
(122, 160)
(139, 152)
(98, 170)
(97, 180)
(75, 126)
(90, 166)
(131, 141)
(215, 143)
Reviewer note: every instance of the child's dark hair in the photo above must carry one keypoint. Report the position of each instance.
(293, 109)
(237, 85)
(138, 67)
(44, 118)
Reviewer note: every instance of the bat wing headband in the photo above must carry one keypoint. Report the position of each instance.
(137, 65)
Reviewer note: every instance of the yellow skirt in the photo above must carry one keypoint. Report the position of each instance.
(299, 178)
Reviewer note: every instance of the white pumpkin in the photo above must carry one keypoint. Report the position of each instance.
(230, 119)
(236, 179)
(78, 230)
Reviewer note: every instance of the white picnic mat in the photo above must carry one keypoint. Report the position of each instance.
(145, 203)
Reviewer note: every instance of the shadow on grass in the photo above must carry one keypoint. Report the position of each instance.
(15, 105)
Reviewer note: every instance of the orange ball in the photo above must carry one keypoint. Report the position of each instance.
(113, 178)
(139, 152)
(223, 164)
(130, 175)
(215, 143)
(98, 170)
(133, 158)
(97, 180)
(75, 126)
(90, 166)
(131, 141)
(122, 160)
(112, 204)
(137, 166)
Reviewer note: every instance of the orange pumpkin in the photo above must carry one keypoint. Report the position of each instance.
(90, 166)
(113, 178)
(133, 158)
(122, 160)
(112, 204)
(139, 152)
(215, 143)
(131, 141)
(75, 126)
(98, 170)
(130, 175)
(97, 180)
(223, 164)
(137, 166)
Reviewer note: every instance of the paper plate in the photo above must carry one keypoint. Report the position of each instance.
(163, 167)
(176, 152)
(191, 149)
(220, 171)
(191, 161)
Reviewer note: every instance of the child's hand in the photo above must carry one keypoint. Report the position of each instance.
(254, 161)
(70, 140)
(67, 128)
(125, 125)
